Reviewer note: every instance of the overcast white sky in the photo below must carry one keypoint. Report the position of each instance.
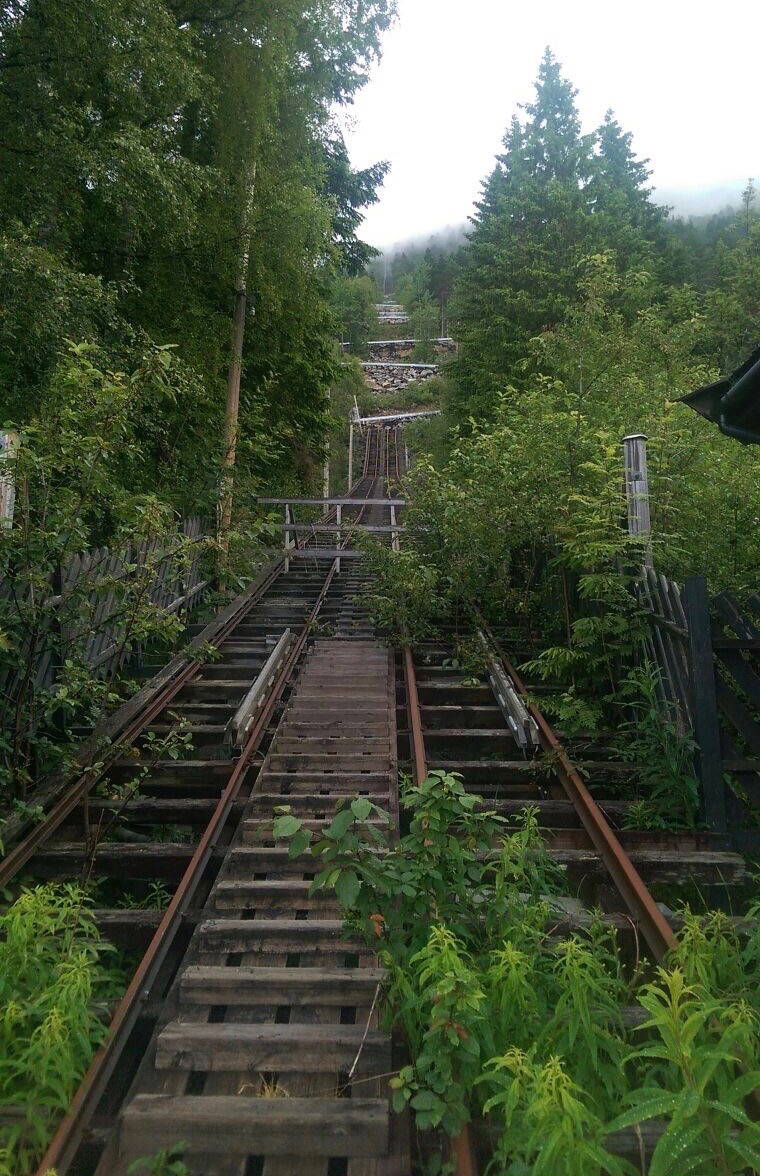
(681, 75)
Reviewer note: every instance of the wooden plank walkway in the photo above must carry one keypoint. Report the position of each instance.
(249, 1064)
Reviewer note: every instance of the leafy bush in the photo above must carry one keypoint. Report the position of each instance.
(71, 471)
(503, 1018)
(53, 985)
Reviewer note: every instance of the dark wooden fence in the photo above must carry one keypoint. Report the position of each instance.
(88, 610)
(707, 654)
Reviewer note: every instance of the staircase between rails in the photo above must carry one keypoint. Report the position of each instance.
(270, 1035)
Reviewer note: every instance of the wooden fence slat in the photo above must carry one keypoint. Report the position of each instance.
(87, 607)
(704, 703)
(737, 620)
(737, 713)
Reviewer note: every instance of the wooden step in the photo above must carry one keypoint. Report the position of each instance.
(289, 893)
(292, 935)
(661, 866)
(335, 727)
(331, 987)
(303, 1049)
(318, 744)
(310, 803)
(307, 763)
(224, 1125)
(256, 830)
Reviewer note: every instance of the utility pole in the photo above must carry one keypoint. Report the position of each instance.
(236, 362)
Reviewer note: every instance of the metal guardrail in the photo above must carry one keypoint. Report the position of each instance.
(241, 721)
(520, 722)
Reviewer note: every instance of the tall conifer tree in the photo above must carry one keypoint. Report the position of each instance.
(529, 232)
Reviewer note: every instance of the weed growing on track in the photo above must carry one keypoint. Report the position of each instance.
(506, 1017)
(53, 985)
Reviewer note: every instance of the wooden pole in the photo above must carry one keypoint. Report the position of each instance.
(637, 491)
(288, 542)
(8, 448)
(236, 362)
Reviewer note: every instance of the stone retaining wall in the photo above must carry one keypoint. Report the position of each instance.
(398, 350)
(392, 377)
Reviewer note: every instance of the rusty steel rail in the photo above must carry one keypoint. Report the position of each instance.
(630, 886)
(624, 874)
(462, 1146)
(63, 1147)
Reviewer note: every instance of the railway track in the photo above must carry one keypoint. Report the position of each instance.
(249, 1031)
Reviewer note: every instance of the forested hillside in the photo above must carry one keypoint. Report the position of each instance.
(164, 168)
(143, 144)
(583, 314)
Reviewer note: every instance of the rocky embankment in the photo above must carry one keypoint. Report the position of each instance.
(394, 377)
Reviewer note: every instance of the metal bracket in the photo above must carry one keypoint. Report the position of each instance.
(521, 724)
(240, 723)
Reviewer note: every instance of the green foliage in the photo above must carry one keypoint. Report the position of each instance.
(404, 597)
(525, 514)
(167, 1162)
(667, 785)
(549, 1128)
(503, 1018)
(354, 300)
(71, 471)
(135, 131)
(53, 982)
(698, 1048)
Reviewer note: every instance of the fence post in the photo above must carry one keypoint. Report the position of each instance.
(8, 447)
(637, 490)
(704, 703)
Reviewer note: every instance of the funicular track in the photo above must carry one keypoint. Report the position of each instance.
(147, 817)
(249, 1030)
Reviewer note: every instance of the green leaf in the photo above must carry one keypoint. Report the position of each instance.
(340, 825)
(426, 1100)
(671, 1154)
(648, 1108)
(745, 1148)
(347, 888)
(299, 843)
(361, 808)
(286, 826)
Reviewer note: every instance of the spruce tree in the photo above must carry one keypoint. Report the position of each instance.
(531, 227)
(625, 218)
